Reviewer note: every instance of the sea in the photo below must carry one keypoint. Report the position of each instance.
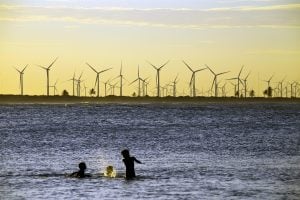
(205, 150)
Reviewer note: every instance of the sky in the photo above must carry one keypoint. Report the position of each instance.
(261, 35)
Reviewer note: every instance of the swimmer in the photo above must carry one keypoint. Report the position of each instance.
(129, 164)
(81, 172)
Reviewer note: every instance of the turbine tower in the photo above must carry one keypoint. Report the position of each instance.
(105, 86)
(21, 72)
(193, 78)
(73, 82)
(157, 76)
(238, 82)
(215, 81)
(139, 79)
(54, 88)
(47, 72)
(97, 77)
(79, 81)
(121, 80)
(174, 85)
(245, 84)
(281, 87)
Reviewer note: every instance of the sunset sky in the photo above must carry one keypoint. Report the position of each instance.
(262, 35)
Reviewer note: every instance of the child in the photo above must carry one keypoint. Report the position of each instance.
(129, 164)
(80, 173)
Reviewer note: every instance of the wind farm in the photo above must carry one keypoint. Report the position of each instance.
(169, 91)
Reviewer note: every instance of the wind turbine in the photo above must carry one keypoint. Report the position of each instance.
(215, 81)
(97, 77)
(47, 72)
(21, 72)
(281, 87)
(268, 81)
(121, 80)
(54, 88)
(174, 85)
(245, 84)
(112, 88)
(193, 78)
(139, 79)
(157, 75)
(79, 81)
(238, 82)
(144, 84)
(105, 86)
(73, 82)
(85, 87)
(235, 86)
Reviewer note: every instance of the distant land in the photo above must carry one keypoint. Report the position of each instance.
(12, 99)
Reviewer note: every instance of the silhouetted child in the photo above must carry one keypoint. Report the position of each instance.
(129, 164)
(80, 173)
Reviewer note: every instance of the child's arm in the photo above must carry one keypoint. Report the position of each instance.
(136, 160)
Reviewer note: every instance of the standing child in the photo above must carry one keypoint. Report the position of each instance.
(129, 163)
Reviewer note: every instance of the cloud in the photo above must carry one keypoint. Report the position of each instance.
(238, 8)
(184, 18)
(273, 52)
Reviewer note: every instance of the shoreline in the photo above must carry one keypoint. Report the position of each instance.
(28, 99)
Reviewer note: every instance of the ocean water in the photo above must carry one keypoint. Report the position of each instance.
(189, 151)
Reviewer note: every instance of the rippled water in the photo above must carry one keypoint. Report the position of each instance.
(195, 151)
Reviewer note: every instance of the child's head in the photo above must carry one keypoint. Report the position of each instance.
(125, 153)
(82, 166)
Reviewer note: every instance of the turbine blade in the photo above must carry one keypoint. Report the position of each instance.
(176, 78)
(80, 75)
(42, 67)
(200, 70)
(52, 63)
(91, 67)
(248, 75)
(24, 68)
(134, 81)
(210, 69)
(223, 73)
(241, 71)
(121, 68)
(231, 79)
(96, 81)
(17, 70)
(152, 65)
(105, 70)
(187, 66)
(164, 64)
